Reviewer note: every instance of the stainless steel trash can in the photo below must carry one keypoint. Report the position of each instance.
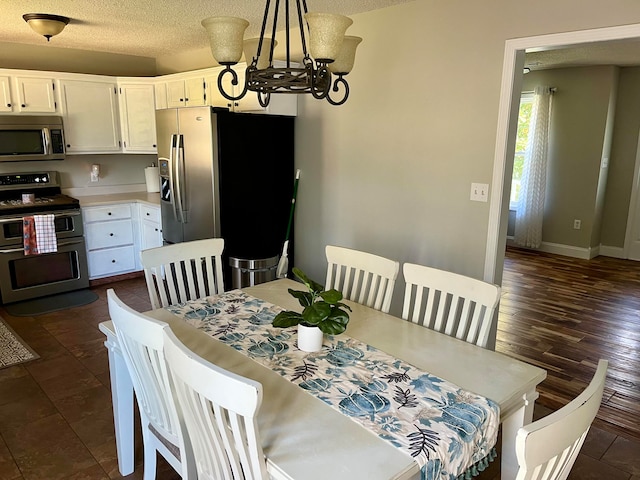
(246, 272)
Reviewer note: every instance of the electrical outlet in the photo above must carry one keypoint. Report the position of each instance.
(577, 224)
(479, 192)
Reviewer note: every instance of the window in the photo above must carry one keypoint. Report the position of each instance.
(524, 119)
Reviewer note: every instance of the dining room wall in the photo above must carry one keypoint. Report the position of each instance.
(390, 171)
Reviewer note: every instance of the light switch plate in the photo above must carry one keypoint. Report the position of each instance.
(480, 192)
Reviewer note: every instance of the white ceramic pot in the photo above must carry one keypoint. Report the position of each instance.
(309, 338)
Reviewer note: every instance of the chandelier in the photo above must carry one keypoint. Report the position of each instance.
(329, 58)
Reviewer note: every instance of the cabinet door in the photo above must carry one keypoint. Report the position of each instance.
(151, 235)
(138, 118)
(161, 96)
(5, 95)
(175, 94)
(90, 116)
(194, 92)
(35, 95)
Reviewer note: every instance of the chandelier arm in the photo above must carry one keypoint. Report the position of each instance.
(301, 24)
(264, 26)
(274, 29)
(320, 81)
(340, 81)
(234, 81)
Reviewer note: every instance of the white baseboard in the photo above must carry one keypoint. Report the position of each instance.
(615, 252)
(575, 252)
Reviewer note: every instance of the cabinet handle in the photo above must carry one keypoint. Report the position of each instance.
(182, 99)
(156, 229)
(109, 213)
(68, 146)
(9, 105)
(113, 261)
(111, 234)
(154, 145)
(23, 105)
(148, 214)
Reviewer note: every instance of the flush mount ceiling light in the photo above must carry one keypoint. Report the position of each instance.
(45, 24)
(330, 54)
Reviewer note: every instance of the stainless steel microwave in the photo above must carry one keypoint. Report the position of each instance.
(26, 138)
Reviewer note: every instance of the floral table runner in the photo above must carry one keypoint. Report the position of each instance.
(450, 432)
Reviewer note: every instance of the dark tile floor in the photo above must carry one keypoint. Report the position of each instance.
(56, 421)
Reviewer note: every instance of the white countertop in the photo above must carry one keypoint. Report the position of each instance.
(111, 198)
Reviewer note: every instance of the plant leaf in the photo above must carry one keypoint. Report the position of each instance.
(313, 286)
(305, 298)
(287, 319)
(335, 324)
(316, 312)
(332, 296)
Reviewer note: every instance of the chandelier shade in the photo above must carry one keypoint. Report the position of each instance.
(225, 37)
(325, 33)
(343, 63)
(46, 24)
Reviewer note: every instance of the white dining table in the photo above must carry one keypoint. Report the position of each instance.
(304, 438)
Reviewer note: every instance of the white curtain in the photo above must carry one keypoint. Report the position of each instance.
(528, 231)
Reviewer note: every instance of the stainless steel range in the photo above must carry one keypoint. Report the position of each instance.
(25, 277)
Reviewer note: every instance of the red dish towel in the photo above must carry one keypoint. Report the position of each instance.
(45, 233)
(29, 231)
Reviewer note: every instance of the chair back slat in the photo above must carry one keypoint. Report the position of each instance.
(548, 448)
(183, 271)
(220, 410)
(361, 277)
(459, 306)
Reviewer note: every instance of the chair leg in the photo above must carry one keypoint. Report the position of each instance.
(150, 455)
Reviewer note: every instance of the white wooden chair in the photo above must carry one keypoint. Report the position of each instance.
(362, 277)
(447, 302)
(183, 271)
(141, 340)
(548, 448)
(219, 410)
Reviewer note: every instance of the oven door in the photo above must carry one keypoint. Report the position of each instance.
(24, 277)
(68, 224)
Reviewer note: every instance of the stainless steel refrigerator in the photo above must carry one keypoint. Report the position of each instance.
(227, 175)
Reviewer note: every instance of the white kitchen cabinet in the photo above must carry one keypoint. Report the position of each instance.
(150, 227)
(35, 95)
(137, 118)
(161, 95)
(6, 103)
(90, 112)
(109, 235)
(189, 92)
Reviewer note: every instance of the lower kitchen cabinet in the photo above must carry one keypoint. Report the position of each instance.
(109, 232)
(150, 227)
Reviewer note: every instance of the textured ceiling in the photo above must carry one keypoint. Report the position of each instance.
(621, 53)
(148, 28)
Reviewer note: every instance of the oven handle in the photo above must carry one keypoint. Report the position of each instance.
(56, 215)
(61, 244)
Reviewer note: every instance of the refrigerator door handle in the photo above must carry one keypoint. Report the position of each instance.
(180, 178)
(172, 176)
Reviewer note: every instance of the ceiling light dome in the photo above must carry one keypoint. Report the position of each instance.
(46, 24)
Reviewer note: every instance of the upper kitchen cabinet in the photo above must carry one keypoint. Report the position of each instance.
(137, 118)
(188, 92)
(34, 95)
(6, 104)
(90, 112)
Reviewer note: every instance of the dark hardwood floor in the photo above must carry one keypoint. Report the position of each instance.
(563, 314)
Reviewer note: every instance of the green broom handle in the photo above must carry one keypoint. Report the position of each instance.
(293, 203)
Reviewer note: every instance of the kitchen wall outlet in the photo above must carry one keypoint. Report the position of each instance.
(480, 192)
(577, 224)
(95, 172)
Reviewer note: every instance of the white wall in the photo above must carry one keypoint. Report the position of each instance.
(390, 171)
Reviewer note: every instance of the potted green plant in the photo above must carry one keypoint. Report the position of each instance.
(323, 312)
